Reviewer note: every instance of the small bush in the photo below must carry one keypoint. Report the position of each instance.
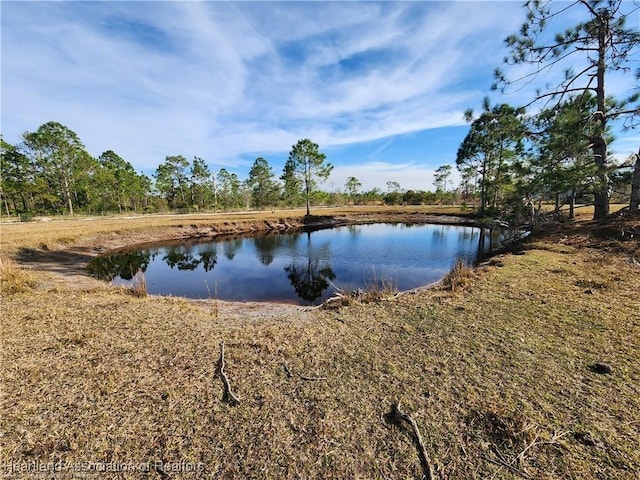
(379, 289)
(375, 291)
(26, 216)
(459, 277)
(14, 279)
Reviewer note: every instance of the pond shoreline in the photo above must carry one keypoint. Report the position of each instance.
(67, 261)
(298, 265)
(212, 230)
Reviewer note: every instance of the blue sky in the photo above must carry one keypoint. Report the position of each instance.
(381, 87)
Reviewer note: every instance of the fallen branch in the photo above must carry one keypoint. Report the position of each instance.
(519, 459)
(397, 415)
(228, 396)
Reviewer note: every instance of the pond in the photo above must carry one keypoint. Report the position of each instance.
(301, 267)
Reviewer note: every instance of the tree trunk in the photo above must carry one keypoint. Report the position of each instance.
(601, 195)
(572, 204)
(67, 194)
(496, 192)
(307, 186)
(635, 186)
(6, 205)
(483, 188)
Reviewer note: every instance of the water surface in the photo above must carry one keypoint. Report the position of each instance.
(300, 267)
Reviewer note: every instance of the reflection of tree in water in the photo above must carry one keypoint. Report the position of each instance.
(354, 230)
(467, 234)
(231, 246)
(209, 258)
(310, 280)
(440, 233)
(488, 240)
(124, 265)
(181, 257)
(266, 246)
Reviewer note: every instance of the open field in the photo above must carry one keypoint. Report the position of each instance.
(63, 232)
(60, 232)
(498, 374)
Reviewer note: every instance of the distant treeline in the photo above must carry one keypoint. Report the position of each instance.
(51, 172)
(503, 174)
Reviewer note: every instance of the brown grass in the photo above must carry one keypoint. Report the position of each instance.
(496, 376)
(138, 287)
(14, 279)
(459, 277)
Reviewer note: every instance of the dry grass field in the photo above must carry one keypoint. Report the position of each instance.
(497, 366)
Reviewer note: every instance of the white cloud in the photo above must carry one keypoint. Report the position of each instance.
(225, 80)
(410, 176)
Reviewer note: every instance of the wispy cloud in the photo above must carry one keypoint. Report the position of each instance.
(226, 81)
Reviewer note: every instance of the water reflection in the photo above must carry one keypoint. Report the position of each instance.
(231, 246)
(182, 258)
(310, 280)
(124, 266)
(301, 267)
(209, 258)
(488, 239)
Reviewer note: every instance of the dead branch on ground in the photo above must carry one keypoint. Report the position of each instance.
(397, 416)
(505, 464)
(312, 379)
(228, 396)
(520, 458)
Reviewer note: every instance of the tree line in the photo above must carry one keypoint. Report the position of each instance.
(51, 172)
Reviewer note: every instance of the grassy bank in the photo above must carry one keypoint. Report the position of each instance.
(497, 375)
